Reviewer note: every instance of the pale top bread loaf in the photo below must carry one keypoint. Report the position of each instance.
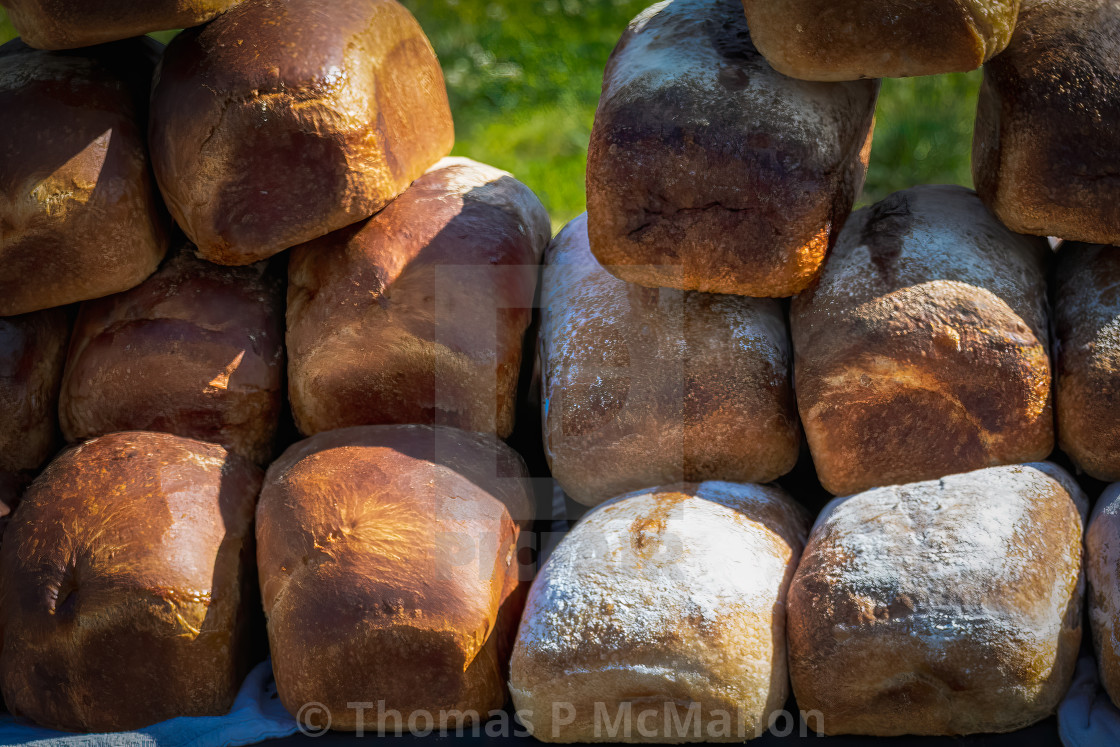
(657, 600)
(419, 314)
(922, 351)
(836, 40)
(282, 120)
(707, 170)
(79, 212)
(65, 24)
(645, 386)
(196, 350)
(1102, 570)
(951, 606)
(1087, 357)
(389, 571)
(32, 353)
(1046, 148)
(128, 584)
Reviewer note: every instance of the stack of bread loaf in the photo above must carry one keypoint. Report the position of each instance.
(255, 235)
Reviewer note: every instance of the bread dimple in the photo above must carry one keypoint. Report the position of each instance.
(643, 386)
(682, 587)
(968, 591)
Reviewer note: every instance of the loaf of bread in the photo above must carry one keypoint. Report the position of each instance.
(32, 353)
(1087, 357)
(79, 214)
(1102, 568)
(283, 120)
(1046, 148)
(949, 607)
(707, 170)
(196, 350)
(661, 607)
(66, 24)
(853, 39)
(128, 584)
(418, 315)
(389, 573)
(923, 349)
(650, 386)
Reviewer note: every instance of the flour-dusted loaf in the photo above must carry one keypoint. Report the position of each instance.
(128, 584)
(32, 353)
(707, 170)
(65, 24)
(923, 349)
(283, 120)
(1102, 570)
(389, 573)
(839, 40)
(196, 350)
(418, 315)
(1046, 148)
(951, 606)
(662, 606)
(649, 386)
(1087, 357)
(79, 213)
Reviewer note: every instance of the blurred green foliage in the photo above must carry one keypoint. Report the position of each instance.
(524, 79)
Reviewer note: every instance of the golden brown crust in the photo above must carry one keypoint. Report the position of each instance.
(944, 607)
(662, 601)
(418, 315)
(1102, 570)
(388, 569)
(922, 351)
(64, 24)
(1046, 151)
(32, 353)
(127, 582)
(647, 386)
(79, 215)
(1087, 357)
(283, 120)
(709, 171)
(196, 350)
(831, 40)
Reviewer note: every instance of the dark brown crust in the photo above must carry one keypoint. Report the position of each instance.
(32, 353)
(418, 315)
(644, 386)
(196, 350)
(283, 120)
(127, 580)
(836, 40)
(922, 351)
(79, 215)
(1087, 357)
(880, 644)
(65, 24)
(1046, 149)
(709, 171)
(389, 572)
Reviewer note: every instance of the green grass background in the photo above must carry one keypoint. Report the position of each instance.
(524, 79)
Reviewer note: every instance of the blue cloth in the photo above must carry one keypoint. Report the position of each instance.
(256, 715)
(1087, 717)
